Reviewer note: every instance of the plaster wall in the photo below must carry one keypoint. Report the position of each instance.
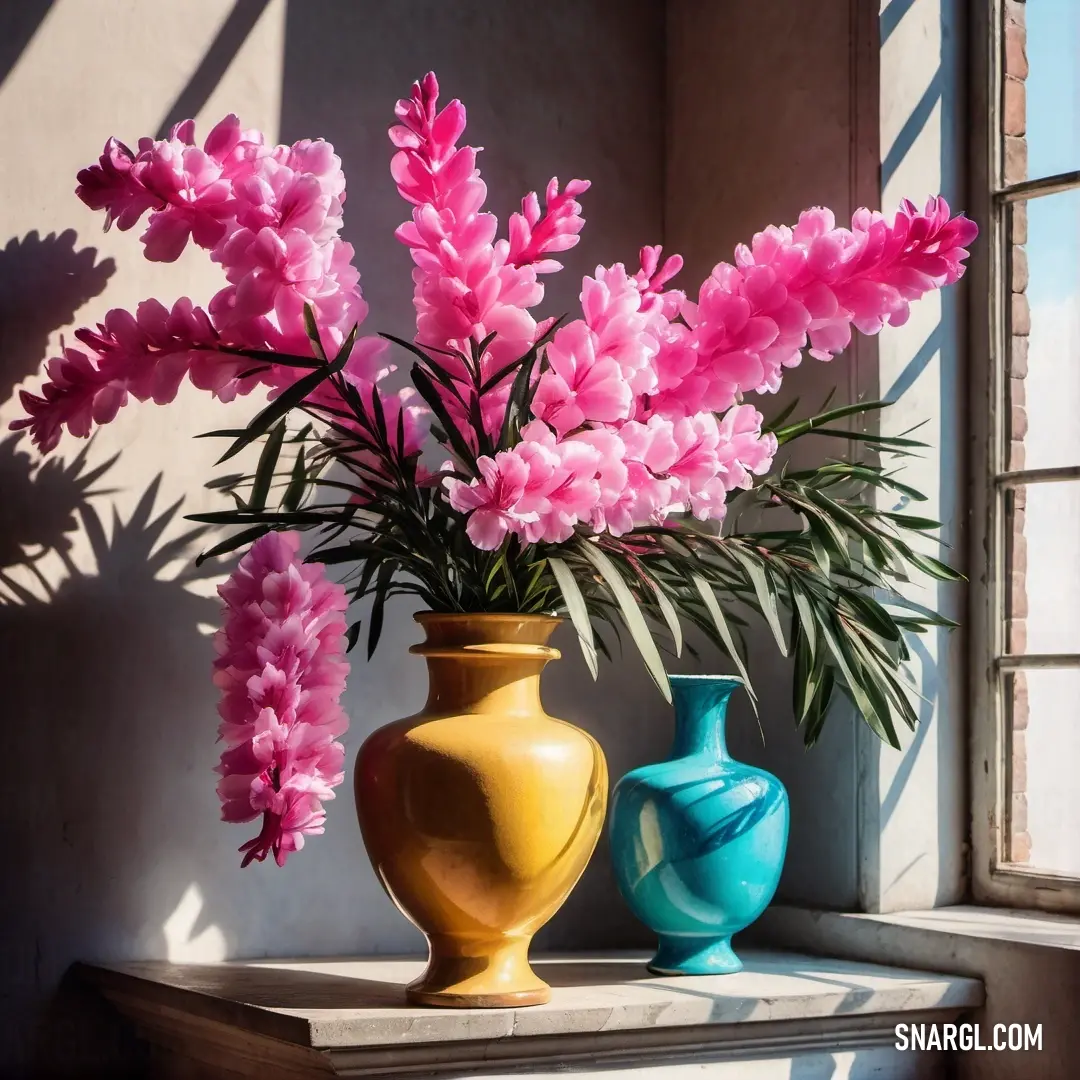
(115, 848)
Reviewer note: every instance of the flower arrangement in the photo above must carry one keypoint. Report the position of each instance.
(577, 466)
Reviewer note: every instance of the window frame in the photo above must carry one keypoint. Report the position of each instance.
(994, 879)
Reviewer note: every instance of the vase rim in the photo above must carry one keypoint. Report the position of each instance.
(424, 617)
(735, 680)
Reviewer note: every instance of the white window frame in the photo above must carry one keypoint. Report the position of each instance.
(994, 879)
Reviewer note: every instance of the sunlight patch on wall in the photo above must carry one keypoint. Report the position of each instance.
(206, 946)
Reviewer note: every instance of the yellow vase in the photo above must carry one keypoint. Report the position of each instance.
(480, 812)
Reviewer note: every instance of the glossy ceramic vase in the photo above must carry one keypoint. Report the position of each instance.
(480, 812)
(698, 841)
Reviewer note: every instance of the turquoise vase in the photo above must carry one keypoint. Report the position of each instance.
(698, 841)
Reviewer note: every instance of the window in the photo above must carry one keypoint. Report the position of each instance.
(1026, 705)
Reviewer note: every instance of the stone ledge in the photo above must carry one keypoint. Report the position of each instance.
(305, 1017)
(807, 928)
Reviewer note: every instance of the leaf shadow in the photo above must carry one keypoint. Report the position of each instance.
(43, 283)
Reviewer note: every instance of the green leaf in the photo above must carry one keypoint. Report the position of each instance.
(818, 707)
(220, 482)
(346, 349)
(804, 427)
(222, 433)
(933, 567)
(765, 591)
(378, 605)
(231, 543)
(515, 404)
(283, 404)
(631, 614)
(297, 483)
(312, 330)
(422, 381)
(268, 356)
(781, 416)
(264, 472)
(879, 717)
(578, 611)
(889, 442)
(671, 616)
(712, 605)
(806, 615)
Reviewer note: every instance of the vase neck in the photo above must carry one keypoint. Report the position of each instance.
(700, 715)
(486, 664)
(494, 685)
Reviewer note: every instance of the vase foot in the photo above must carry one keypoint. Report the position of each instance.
(467, 974)
(687, 955)
(446, 999)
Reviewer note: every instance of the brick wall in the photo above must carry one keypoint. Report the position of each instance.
(1014, 122)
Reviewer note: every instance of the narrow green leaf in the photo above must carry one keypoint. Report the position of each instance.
(346, 349)
(765, 591)
(231, 543)
(819, 707)
(312, 329)
(782, 415)
(279, 407)
(935, 568)
(631, 613)
(804, 427)
(712, 605)
(806, 615)
(378, 605)
(294, 493)
(515, 403)
(264, 472)
(422, 381)
(671, 616)
(880, 723)
(222, 433)
(890, 442)
(578, 611)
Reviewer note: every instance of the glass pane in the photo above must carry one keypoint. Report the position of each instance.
(1041, 107)
(1042, 562)
(1043, 715)
(1042, 427)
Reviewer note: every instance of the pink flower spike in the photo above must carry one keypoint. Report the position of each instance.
(110, 186)
(532, 236)
(281, 672)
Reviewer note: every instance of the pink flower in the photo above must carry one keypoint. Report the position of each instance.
(491, 501)
(196, 198)
(109, 186)
(468, 285)
(807, 285)
(271, 216)
(579, 386)
(563, 486)
(146, 356)
(532, 236)
(281, 674)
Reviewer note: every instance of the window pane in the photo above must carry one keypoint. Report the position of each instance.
(1042, 561)
(1043, 715)
(1041, 88)
(1043, 418)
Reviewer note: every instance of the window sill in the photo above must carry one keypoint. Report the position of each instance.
(349, 1017)
(1028, 961)
(894, 938)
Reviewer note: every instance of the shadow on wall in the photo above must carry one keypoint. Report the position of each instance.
(18, 24)
(123, 855)
(43, 283)
(99, 673)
